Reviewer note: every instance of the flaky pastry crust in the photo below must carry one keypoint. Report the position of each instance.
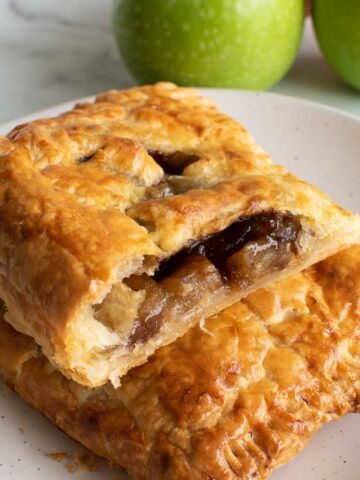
(113, 188)
(231, 401)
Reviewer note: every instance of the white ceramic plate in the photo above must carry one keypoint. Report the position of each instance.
(319, 144)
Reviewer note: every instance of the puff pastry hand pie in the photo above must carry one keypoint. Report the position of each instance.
(126, 221)
(229, 403)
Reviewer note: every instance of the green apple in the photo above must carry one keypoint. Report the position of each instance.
(337, 25)
(246, 44)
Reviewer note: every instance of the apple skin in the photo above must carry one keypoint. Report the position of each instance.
(337, 26)
(247, 44)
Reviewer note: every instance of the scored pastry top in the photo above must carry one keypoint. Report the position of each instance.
(134, 180)
(115, 156)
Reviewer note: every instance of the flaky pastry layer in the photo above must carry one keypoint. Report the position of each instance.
(231, 400)
(113, 189)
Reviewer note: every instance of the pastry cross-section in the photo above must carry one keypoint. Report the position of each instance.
(231, 400)
(126, 221)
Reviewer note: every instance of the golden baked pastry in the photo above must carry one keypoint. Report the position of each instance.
(127, 220)
(232, 401)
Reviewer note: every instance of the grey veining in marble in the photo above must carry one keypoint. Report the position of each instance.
(52, 51)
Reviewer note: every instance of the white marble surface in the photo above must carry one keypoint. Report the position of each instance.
(57, 50)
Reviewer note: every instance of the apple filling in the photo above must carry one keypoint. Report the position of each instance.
(250, 248)
(173, 163)
(184, 284)
(174, 296)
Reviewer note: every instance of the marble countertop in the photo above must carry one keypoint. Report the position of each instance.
(59, 50)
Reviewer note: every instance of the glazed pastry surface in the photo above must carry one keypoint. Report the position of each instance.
(126, 221)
